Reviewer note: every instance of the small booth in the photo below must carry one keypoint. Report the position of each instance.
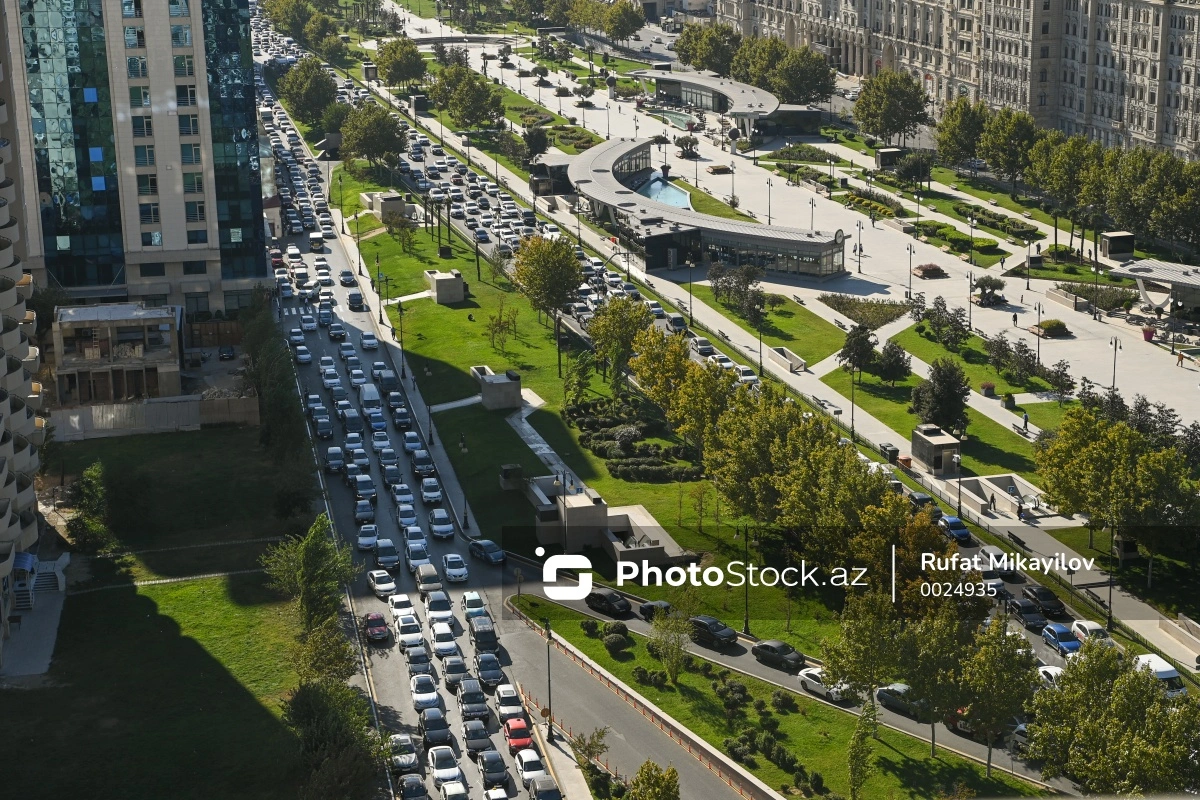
(888, 157)
(1117, 245)
(933, 450)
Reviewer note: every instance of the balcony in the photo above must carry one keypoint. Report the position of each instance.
(28, 320)
(13, 272)
(5, 149)
(5, 405)
(4, 215)
(3, 471)
(29, 529)
(6, 252)
(32, 360)
(10, 333)
(10, 524)
(34, 398)
(20, 423)
(8, 293)
(14, 379)
(6, 446)
(26, 496)
(3, 112)
(24, 454)
(8, 190)
(25, 285)
(38, 437)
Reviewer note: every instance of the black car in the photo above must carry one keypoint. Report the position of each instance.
(1046, 600)
(412, 787)
(711, 632)
(337, 333)
(653, 608)
(395, 400)
(225, 353)
(896, 697)
(492, 768)
(418, 661)
(544, 788)
(472, 702)
(401, 419)
(487, 550)
(475, 738)
(454, 672)
(433, 727)
(488, 668)
(780, 655)
(1027, 612)
(606, 601)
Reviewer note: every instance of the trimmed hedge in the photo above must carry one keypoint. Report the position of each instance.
(802, 152)
(993, 219)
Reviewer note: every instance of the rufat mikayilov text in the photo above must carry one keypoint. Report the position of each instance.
(1013, 562)
(738, 573)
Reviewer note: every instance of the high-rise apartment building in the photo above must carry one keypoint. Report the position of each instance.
(1122, 73)
(134, 138)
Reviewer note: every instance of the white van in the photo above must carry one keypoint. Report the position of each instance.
(1172, 683)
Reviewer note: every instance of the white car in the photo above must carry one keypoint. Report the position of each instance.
(746, 376)
(443, 766)
(403, 753)
(325, 363)
(455, 790)
(401, 605)
(368, 341)
(1086, 630)
(303, 355)
(377, 369)
(508, 704)
(440, 524)
(442, 640)
(324, 277)
(721, 360)
(402, 495)
(381, 583)
(414, 535)
(368, 535)
(330, 378)
(409, 632)
(529, 765)
(417, 555)
(813, 680)
(406, 517)
(1050, 676)
(295, 337)
(357, 377)
(354, 441)
(431, 491)
(438, 608)
(454, 568)
(380, 441)
(308, 322)
(424, 692)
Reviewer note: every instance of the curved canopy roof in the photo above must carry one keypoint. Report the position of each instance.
(744, 99)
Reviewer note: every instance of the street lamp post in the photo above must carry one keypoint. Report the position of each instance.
(852, 387)
(1115, 344)
(911, 251)
(971, 244)
(812, 215)
(743, 533)
(691, 315)
(831, 163)
(1027, 240)
(358, 240)
(732, 169)
(761, 312)
(400, 316)
(970, 296)
(1039, 309)
(918, 196)
(859, 224)
(608, 119)
(958, 468)
(340, 207)
(769, 184)
(549, 694)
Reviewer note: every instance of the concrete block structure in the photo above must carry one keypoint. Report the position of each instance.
(498, 391)
(446, 288)
(116, 351)
(933, 450)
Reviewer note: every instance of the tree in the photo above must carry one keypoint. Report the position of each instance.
(652, 782)
(334, 117)
(400, 62)
(613, 330)
(622, 20)
(372, 133)
(894, 364)
(578, 378)
(931, 661)
(1022, 363)
(999, 351)
(557, 11)
(548, 273)
(671, 635)
(295, 491)
(756, 60)
(867, 654)
(858, 352)
(988, 285)
(338, 744)
(959, 130)
(289, 16)
(1165, 502)
(317, 28)
(942, 398)
(1113, 730)
(1130, 201)
(589, 747)
(702, 398)
(803, 76)
(710, 47)
(324, 653)
(536, 140)
(892, 103)
(916, 168)
(311, 570)
(1060, 380)
(687, 144)
(476, 102)
(999, 679)
(308, 90)
(860, 757)
(661, 366)
(333, 48)
(1008, 137)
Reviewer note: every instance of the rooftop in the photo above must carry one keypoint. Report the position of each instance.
(114, 312)
(744, 99)
(1151, 269)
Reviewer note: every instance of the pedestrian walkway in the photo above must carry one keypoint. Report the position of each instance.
(466, 401)
(540, 447)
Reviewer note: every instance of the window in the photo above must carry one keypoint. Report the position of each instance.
(185, 66)
(147, 184)
(195, 302)
(1042, 99)
(194, 210)
(131, 8)
(189, 125)
(139, 96)
(143, 155)
(189, 153)
(151, 238)
(197, 237)
(1150, 99)
(179, 8)
(1042, 76)
(90, 95)
(99, 184)
(181, 36)
(95, 154)
(135, 36)
(148, 212)
(1045, 29)
(143, 127)
(243, 298)
(193, 183)
(1045, 52)
(137, 67)
(155, 269)
(195, 267)
(154, 300)
(185, 95)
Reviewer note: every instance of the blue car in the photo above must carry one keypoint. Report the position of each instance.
(377, 421)
(1059, 637)
(487, 550)
(955, 529)
(481, 235)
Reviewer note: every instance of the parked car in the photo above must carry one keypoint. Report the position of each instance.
(375, 627)
(651, 609)
(956, 530)
(606, 601)
(508, 703)
(711, 632)
(1060, 638)
(779, 654)
(813, 680)
(529, 766)
(1046, 600)
(1086, 630)
(1027, 613)
(896, 697)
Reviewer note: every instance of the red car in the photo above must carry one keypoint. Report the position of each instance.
(516, 733)
(376, 627)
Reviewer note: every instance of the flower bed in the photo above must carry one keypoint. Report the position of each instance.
(993, 219)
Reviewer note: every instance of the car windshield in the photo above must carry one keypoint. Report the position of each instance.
(489, 662)
(533, 765)
(386, 551)
(443, 636)
(473, 602)
(784, 649)
(403, 747)
(476, 732)
(417, 655)
(454, 562)
(410, 627)
(417, 553)
(443, 759)
(473, 696)
(424, 684)
(439, 604)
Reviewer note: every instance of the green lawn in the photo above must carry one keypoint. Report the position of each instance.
(406, 270)
(990, 447)
(857, 143)
(1046, 416)
(1073, 273)
(971, 356)
(791, 325)
(705, 203)
(346, 186)
(559, 139)
(817, 733)
(943, 204)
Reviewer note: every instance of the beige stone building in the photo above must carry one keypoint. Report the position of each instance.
(1122, 73)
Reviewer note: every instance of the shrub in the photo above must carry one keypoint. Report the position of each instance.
(801, 152)
(616, 628)
(760, 705)
(1054, 327)
(615, 644)
(872, 313)
(1071, 269)
(618, 789)
(590, 627)
(769, 722)
(818, 783)
(920, 329)
(641, 674)
(987, 388)
(782, 701)
(653, 649)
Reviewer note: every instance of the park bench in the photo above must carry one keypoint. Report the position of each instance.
(1020, 428)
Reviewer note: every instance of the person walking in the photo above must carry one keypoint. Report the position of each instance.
(1014, 320)
(1179, 357)
(1025, 421)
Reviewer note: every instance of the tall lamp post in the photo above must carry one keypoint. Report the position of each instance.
(859, 224)
(340, 207)
(608, 119)
(400, 316)
(911, 251)
(1039, 309)
(958, 468)
(1115, 344)
(812, 215)
(971, 244)
(358, 240)
(549, 694)
(918, 196)
(732, 170)
(691, 315)
(769, 184)
(743, 533)
(970, 297)
(761, 312)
